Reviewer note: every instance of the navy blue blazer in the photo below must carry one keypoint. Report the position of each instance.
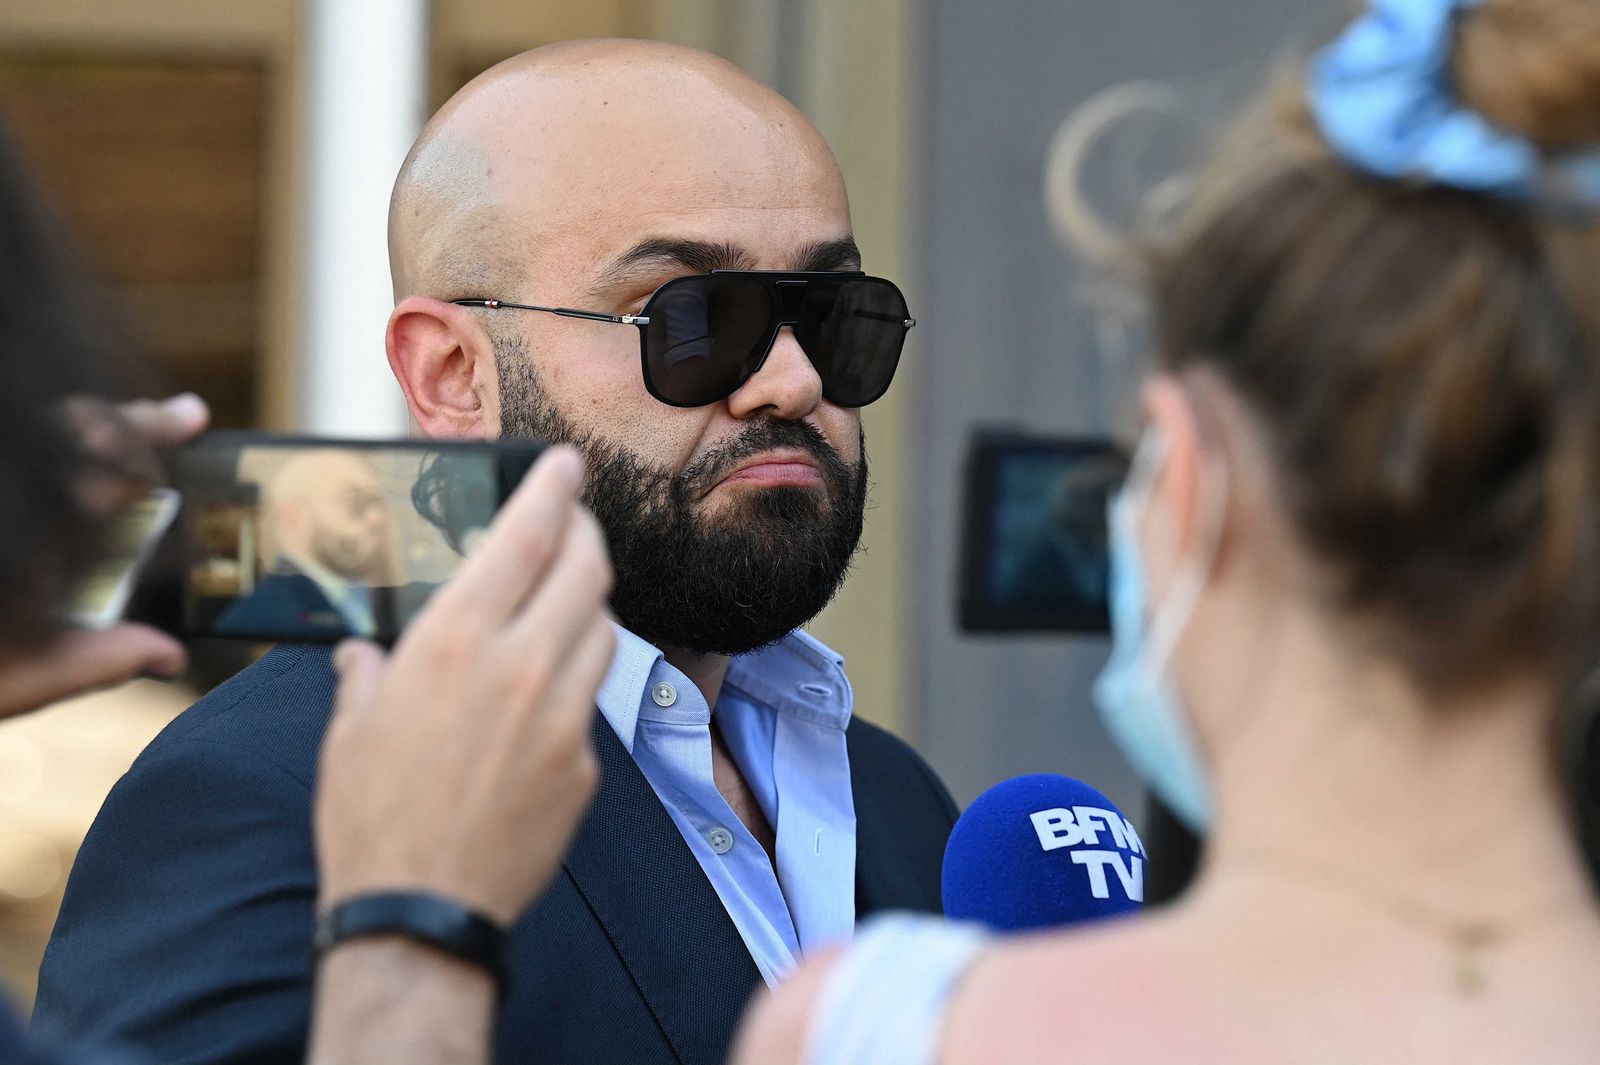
(14, 1045)
(187, 920)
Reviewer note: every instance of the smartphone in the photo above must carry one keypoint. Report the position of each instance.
(125, 551)
(301, 539)
(1035, 540)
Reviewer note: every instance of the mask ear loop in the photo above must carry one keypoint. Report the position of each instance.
(1146, 462)
(1171, 619)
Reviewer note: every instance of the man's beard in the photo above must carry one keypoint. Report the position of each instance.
(725, 584)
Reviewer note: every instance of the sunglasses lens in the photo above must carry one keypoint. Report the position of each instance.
(704, 337)
(852, 330)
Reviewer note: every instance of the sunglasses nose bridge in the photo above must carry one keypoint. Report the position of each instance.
(791, 300)
(792, 382)
(785, 299)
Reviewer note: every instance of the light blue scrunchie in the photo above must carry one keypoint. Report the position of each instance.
(1382, 95)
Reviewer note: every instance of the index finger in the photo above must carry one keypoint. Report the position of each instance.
(512, 558)
(168, 422)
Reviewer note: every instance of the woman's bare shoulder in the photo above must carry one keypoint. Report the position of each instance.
(1085, 995)
(1052, 999)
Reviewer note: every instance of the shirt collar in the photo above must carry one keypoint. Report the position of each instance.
(799, 675)
(623, 688)
(333, 586)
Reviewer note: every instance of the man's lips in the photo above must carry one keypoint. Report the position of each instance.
(772, 469)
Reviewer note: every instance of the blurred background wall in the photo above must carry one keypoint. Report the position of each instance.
(1017, 327)
(174, 135)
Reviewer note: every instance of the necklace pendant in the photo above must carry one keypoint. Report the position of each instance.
(1470, 978)
(1471, 942)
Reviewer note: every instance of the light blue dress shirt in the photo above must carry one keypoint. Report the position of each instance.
(783, 711)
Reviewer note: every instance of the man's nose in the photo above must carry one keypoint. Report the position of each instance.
(786, 386)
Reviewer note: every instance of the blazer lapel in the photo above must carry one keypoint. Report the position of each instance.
(662, 915)
(900, 838)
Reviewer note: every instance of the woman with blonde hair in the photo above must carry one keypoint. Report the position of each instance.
(1356, 598)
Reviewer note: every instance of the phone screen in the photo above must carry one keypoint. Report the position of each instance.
(1035, 536)
(127, 545)
(296, 539)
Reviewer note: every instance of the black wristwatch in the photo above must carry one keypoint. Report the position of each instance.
(431, 919)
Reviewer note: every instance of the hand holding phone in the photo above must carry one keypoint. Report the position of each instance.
(108, 652)
(460, 764)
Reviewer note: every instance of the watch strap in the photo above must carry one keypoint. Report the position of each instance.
(434, 920)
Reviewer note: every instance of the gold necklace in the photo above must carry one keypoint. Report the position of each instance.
(1469, 938)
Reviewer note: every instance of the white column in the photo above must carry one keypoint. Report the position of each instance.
(367, 74)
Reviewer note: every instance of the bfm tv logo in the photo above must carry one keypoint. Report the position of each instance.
(1082, 826)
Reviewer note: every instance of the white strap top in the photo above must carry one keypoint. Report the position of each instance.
(884, 1002)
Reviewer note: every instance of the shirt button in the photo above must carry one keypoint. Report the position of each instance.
(721, 840)
(664, 694)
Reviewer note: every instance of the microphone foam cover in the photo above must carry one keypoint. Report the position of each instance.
(1039, 852)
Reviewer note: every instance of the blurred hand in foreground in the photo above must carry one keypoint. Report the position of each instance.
(461, 764)
(123, 443)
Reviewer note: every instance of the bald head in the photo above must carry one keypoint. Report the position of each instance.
(315, 473)
(547, 149)
(591, 176)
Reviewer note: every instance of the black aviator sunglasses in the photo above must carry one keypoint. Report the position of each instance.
(703, 336)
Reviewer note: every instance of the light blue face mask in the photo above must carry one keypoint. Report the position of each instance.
(1134, 694)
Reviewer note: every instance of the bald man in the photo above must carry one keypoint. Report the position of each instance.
(639, 250)
(330, 529)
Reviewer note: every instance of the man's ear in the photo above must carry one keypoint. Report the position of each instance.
(444, 360)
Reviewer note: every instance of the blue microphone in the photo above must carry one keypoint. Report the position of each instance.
(1039, 852)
